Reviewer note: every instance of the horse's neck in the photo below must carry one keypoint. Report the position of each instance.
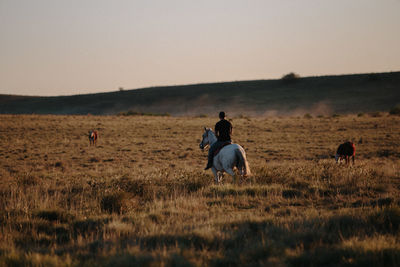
(212, 138)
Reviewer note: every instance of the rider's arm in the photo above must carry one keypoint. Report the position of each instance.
(216, 130)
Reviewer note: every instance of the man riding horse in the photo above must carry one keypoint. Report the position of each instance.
(223, 131)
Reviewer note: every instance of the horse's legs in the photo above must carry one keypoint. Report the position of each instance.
(231, 173)
(216, 180)
(220, 176)
(241, 172)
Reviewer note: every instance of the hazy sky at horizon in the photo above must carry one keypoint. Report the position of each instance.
(54, 47)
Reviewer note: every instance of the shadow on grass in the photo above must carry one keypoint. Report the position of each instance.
(347, 257)
(261, 243)
(312, 242)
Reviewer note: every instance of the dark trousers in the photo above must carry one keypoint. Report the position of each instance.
(213, 148)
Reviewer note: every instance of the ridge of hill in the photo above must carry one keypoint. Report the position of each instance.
(316, 95)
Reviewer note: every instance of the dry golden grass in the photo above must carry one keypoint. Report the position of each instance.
(141, 197)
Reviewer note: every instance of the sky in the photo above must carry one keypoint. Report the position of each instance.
(55, 47)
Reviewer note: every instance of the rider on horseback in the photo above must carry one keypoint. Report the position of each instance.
(223, 131)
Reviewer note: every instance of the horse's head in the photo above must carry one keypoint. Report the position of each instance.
(205, 140)
(92, 134)
(337, 157)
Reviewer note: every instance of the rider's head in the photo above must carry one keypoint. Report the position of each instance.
(222, 115)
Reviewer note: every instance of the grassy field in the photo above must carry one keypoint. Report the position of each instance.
(141, 197)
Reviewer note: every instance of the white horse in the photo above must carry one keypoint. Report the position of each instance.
(227, 159)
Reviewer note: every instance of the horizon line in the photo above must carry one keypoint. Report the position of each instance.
(202, 83)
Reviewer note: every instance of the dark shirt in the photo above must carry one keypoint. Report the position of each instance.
(223, 130)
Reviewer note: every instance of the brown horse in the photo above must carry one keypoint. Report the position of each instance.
(93, 135)
(346, 151)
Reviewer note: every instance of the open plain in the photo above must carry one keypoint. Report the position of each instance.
(141, 197)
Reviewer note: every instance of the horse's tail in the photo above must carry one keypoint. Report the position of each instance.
(243, 164)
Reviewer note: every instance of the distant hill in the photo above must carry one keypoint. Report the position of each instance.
(316, 95)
